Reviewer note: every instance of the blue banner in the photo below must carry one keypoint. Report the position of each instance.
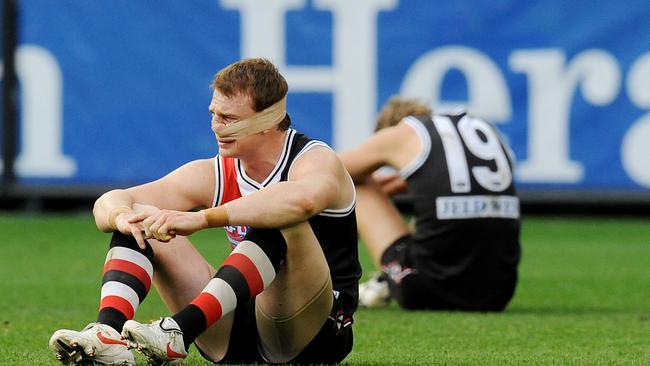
(116, 93)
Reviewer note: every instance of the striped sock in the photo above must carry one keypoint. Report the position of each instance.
(247, 271)
(126, 280)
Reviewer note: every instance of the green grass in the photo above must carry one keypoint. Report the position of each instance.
(583, 298)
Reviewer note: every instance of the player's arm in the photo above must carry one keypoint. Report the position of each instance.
(377, 151)
(316, 182)
(189, 186)
(390, 183)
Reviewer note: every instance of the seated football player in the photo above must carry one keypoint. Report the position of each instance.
(463, 251)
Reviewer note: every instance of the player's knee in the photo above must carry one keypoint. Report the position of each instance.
(271, 242)
(128, 241)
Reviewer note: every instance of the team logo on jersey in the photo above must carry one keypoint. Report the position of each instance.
(235, 234)
(397, 272)
(340, 320)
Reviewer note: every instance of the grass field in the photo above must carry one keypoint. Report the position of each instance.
(583, 298)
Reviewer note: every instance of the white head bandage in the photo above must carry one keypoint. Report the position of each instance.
(258, 122)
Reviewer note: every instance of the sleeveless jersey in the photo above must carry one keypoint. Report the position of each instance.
(336, 230)
(465, 207)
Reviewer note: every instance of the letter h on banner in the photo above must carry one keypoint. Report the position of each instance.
(353, 76)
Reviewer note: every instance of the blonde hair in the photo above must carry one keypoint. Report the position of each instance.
(397, 108)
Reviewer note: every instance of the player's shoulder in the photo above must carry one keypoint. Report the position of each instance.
(314, 152)
(401, 133)
(302, 144)
(392, 134)
(196, 165)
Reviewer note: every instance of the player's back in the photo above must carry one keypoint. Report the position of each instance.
(465, 206)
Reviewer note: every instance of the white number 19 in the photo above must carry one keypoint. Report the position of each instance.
(481, 141)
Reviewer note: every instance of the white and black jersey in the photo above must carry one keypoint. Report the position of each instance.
(336, 230)
(466, 209)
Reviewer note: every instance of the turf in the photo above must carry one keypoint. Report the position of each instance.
(583, 298)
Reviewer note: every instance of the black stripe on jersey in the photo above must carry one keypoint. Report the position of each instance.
(337, 213)
(303, 150)
(278, 168)
(237, 282)
(127, 279)
(283, 158)
(309, 145)
(219, 182)
(241, 174)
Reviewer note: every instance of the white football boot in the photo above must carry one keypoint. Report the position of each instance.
(96, 343)
(374, 293)
(161, 341)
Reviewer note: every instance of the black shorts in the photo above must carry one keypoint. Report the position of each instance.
(413, 287)
(330, 346)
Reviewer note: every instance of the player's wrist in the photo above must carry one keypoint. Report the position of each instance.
(115, 212)
(216, 216)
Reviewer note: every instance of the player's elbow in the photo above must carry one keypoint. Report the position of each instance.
(306, 206)
(100, 211)
(314, 200)
(100, 221)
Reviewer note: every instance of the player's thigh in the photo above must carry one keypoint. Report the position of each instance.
(302, 275)
(378, 220)
(398, 264)
(292, 310)
(409, 284)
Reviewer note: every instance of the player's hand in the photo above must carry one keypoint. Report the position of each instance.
(129, 223)
(164, 225)
(390, 184)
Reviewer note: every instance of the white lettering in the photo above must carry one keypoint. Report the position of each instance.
(635, 150)
(41, 137)
(488, 92)
(352, 77)
(476, 207)
(551, 86)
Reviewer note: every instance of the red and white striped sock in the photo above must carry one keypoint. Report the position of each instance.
(245, 273)
(248, 270)
(126, 280)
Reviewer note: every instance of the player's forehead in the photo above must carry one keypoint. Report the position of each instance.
(234, 104)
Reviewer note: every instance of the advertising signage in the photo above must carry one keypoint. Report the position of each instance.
(116, 93)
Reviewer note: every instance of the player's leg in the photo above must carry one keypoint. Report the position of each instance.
(294, 308)
(379, 222)
(400, 275)
(126, 280)
(380, 225)
(291, 308)
(247, 271)
(181, 274)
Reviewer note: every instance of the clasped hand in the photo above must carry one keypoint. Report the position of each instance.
(162, 225)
